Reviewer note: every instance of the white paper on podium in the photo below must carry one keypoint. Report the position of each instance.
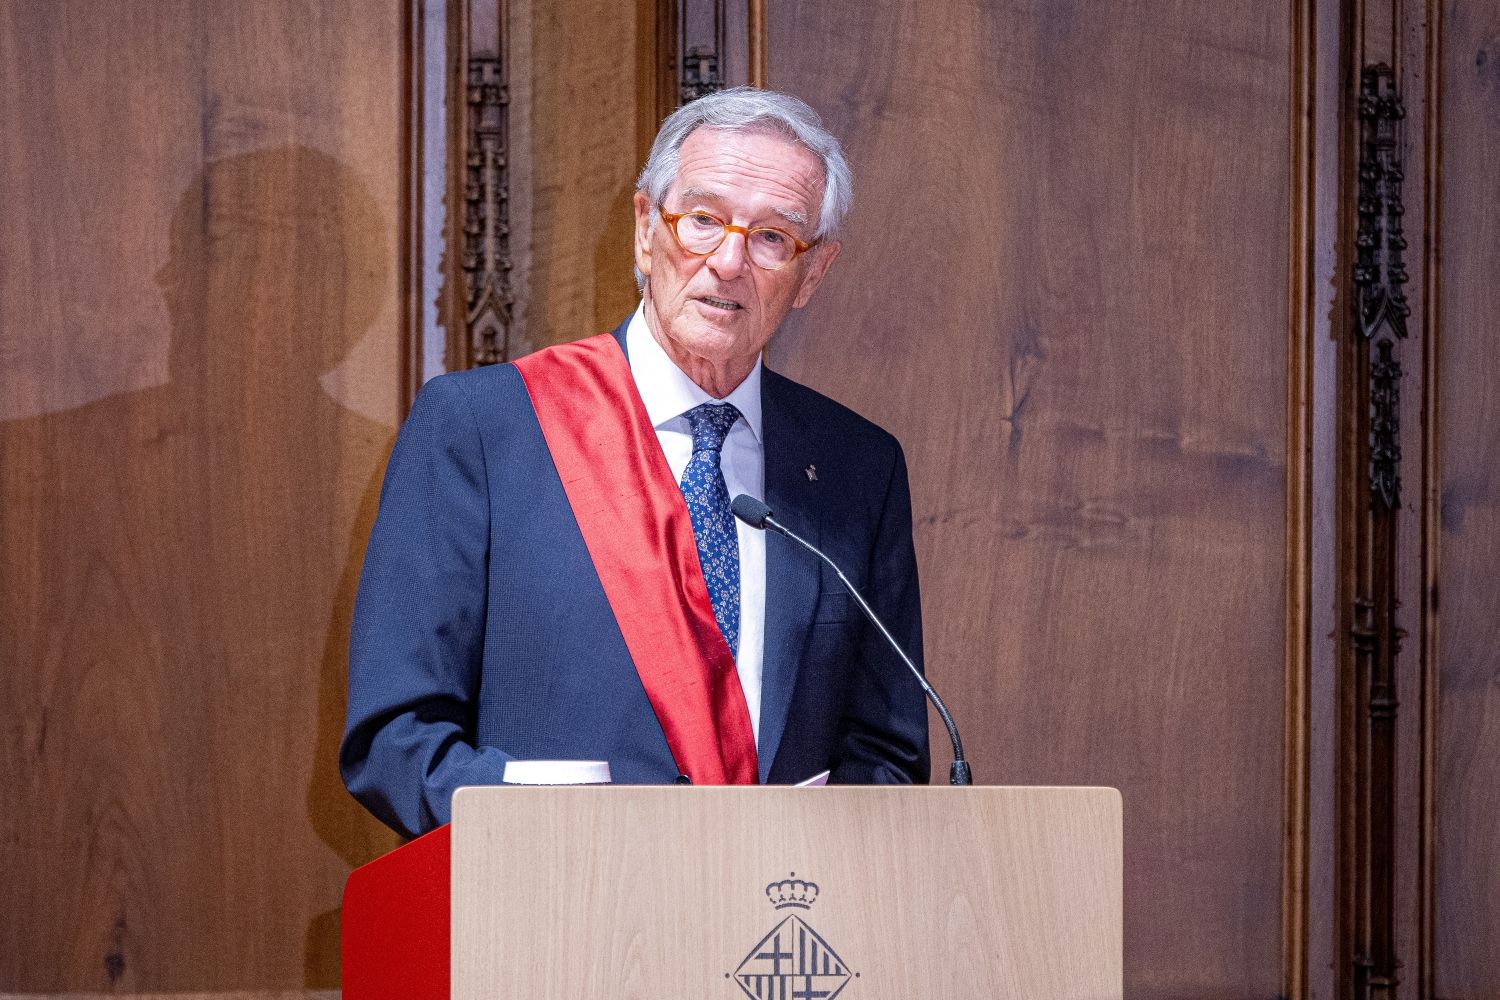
(817, 779)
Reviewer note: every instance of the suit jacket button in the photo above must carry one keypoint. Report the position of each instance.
(683, 779)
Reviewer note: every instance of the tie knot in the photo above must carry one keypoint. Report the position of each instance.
(711, 423)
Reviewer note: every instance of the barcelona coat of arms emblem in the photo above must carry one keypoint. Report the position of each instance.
(792, 961)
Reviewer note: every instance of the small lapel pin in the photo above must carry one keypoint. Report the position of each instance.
(812, 473)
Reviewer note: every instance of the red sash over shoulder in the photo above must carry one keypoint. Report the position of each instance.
(640, 538)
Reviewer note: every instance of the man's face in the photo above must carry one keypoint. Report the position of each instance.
(720, 310)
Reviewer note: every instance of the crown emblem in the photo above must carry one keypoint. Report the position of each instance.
(792, 891)
(792, 961)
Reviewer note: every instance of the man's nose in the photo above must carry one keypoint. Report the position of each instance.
(731, 257)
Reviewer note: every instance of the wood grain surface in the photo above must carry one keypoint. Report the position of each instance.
(586, 107)
(659, 894)
(583, 128)
(1467, 807)
(201, 351)
(1064, 288)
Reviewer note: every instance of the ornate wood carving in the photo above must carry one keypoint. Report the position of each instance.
(1381, 310)
(703, 52)
(1385, 426)
(477, 303)
(700, 48)
(1380, 272)
(486, 216)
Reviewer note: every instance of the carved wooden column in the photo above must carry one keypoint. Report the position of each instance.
(480, 306)
(1388, 507)
(715, 44)
(688, 48)
(1379, 300)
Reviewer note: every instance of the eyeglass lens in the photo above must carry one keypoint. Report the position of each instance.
(701, 233)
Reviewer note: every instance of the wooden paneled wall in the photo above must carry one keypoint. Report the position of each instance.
(590, 121)
(1097, 279)
(199, 383)
(1064, 288)
(1466, 800)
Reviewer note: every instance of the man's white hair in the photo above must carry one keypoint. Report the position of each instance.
(749, 109)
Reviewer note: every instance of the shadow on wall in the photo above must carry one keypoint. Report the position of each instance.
(185, 559)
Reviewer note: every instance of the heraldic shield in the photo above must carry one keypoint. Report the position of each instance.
(792, 962)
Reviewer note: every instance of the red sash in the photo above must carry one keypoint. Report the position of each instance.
(640, 538)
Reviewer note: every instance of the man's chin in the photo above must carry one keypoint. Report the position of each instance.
(713, 343)
(710, 343)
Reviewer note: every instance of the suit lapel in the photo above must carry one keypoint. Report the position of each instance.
(792, 573)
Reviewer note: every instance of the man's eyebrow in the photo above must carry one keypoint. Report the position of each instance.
(703, 194)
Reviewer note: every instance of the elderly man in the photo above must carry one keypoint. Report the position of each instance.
(555, 573)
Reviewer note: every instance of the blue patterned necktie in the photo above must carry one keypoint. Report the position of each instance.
(713, 523)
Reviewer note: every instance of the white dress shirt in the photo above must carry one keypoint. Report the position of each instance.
(668, 394)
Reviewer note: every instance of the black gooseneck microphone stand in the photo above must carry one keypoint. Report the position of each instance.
(756, 514)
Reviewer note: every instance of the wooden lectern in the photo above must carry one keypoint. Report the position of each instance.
(769, 893)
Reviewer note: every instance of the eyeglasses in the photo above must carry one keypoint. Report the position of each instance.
(701, 234)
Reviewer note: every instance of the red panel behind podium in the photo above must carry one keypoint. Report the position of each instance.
(396, 923)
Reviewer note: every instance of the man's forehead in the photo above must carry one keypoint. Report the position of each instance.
(699, 193)
(723, 166)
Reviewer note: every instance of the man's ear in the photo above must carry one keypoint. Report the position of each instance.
(823, 257)
(642, 232)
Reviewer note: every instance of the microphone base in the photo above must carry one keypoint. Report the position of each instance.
(959, 773)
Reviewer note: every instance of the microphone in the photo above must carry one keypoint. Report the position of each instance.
(756, 514)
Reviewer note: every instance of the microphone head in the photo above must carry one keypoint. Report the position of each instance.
(750, 510)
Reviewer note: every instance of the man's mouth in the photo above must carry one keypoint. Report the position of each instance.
(726, 304)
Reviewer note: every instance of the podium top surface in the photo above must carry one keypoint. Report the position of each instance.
(787, 893)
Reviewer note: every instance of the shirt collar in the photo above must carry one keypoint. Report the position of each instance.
(667, 391)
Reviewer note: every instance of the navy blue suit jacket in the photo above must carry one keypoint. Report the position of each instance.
(482, 633)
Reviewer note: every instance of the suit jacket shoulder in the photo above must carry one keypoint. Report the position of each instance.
(837, 459)
(822, 415)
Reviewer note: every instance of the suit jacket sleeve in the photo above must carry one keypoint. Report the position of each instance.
(882, 736)
(416, 649)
